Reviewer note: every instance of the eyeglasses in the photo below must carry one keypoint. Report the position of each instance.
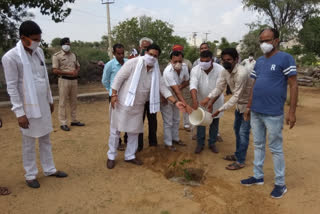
(267, 41)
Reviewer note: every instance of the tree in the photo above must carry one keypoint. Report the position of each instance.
(130, 31)
(55, 42)
(13, 12)
(309, 35)
(284, 15)
(225, 44)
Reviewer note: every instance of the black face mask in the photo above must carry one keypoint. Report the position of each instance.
(227, 65)
(143, 51)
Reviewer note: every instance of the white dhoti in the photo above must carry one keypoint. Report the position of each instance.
(171, 121)
(131, 148)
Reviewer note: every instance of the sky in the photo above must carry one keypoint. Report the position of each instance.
(88, 19)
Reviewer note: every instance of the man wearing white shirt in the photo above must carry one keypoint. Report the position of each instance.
(249, 63)
(176, 77)
(30, 95)
(203, 80)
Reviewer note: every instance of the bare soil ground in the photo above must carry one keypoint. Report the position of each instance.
(92, 188)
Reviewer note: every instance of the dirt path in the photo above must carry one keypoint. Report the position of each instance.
(91, 188)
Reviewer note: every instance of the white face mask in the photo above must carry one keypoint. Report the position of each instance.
(177, 66)
(266, 47)
(251, 57)
(65, 48)
(150, 60)
(34, 45)
(205, 65)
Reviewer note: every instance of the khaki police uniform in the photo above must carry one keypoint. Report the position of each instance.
(68, 86)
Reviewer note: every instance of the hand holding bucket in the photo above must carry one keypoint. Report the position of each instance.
(200, 117)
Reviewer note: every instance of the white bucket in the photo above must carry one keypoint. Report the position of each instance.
(200, 117)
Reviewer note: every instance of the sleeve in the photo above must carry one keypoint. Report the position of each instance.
(253, 74)
(55, 62)
(221, 85)
(122, 75)
(186, 74)
(11, 73)
(240, 85)
(290, 68)
(164, 91)
(194, 79)
(106, 75)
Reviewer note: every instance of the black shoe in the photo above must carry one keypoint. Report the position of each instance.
(198, 149)
(65, 128)
(77, 124)
(33, 183)
(135, 161)
(111, 164)
(214, 148)
(59, 174)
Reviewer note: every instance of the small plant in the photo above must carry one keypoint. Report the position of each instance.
(181, 166)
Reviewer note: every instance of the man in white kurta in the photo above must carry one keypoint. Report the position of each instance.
(176, 77)
(203, 80)
(129, 118)
(34, 117)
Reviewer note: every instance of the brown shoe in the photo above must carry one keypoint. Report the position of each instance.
(171, 148)
(198, 149)
(179, 143)
(111, 164)
(214, 148)
(135, 161)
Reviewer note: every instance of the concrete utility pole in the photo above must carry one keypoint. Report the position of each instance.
(194, 36)
(108, 2)
(206, 36)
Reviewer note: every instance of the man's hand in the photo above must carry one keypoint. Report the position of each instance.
(205, 102)
(114, 100)
(246, 114)
(291, 120)
(75, 73)
(216, 113)
(181, 106)
(189, 109)
(23, 122)
(195, 105)
(51, 107)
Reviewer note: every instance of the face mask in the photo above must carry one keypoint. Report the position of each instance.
(65, 48)
(150, 60)
(227, 65)
(251, 57)
(266, 47)
(205, 65)
(34, 45)
(177, 66)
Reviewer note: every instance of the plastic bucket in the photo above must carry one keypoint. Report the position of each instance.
(200, 117)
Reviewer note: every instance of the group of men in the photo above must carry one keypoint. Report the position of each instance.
(137, 89)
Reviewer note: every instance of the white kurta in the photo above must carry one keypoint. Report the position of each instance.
(204, 83)
(13, 70)
(130, 118)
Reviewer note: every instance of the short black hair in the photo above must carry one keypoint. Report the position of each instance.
(204, 43)
(206, 54)
(231, 52)
(274, 31)
(176, 53)
(118, 45)
(64, 41)
(155, 47)
(28, 28)
(251, 54)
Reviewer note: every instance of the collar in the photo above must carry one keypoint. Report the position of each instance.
(235, 69)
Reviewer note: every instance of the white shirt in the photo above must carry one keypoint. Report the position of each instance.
(248, 65)
(172, 78)
(204, 83)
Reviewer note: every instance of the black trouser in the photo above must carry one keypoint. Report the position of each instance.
(228, 90)
(152, 123)
(125, 137)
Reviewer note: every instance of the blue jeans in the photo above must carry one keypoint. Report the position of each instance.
(213, 132)
(242, 132)
(261, 124)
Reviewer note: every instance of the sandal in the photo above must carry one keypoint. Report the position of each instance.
(230, 158)
(179, 143)
(171, 148)
(121, 147)
(4, 191)
(235, 166)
